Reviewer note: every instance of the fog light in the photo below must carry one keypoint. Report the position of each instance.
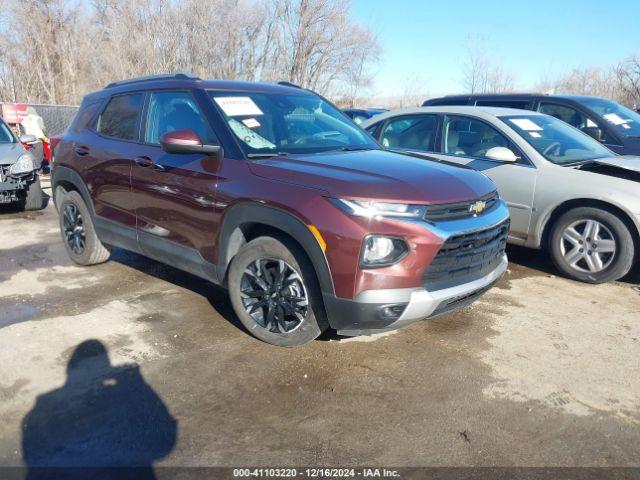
(380, 251)
(392, 311)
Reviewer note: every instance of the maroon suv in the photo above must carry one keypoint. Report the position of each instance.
(271, 192)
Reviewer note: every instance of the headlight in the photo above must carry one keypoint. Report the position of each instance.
(381, 251)
(372, 209)
(24, 164)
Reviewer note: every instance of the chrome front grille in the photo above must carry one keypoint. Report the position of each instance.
(451, 211)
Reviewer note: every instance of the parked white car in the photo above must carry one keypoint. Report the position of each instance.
(565, 191)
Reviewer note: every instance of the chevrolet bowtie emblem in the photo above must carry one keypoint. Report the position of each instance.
(478, 207)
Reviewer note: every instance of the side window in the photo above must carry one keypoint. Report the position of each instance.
(411, 133)
(521, 104)
(120, 118)
(446, 102)
(567, 114)
(576, 119)
(371, 129)
(469, 137)
(170, 111)
(358, 118)
(85, 116)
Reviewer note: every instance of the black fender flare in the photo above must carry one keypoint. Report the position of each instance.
(61, 176)
(273, 217)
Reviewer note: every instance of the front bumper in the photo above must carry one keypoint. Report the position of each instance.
(10, 185)
(363, 314)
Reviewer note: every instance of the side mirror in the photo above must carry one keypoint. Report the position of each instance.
(594, 132)
(28, 139)
(186, 141)
(501, 154)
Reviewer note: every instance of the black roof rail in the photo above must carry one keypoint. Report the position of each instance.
(284, 83)
(148, 78)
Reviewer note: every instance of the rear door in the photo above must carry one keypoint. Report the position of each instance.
(174, 194)
(105, 157)
(466, 140)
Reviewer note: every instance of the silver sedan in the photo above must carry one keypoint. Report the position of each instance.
(566, 192)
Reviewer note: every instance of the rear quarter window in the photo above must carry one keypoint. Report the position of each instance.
(121, 116)
(85, 117)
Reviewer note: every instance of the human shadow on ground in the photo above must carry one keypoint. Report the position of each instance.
(105, 422)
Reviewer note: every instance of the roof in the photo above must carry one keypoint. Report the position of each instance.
(189, 82)
(481, 112)
(511, 95)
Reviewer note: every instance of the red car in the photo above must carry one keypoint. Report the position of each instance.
(271, 192)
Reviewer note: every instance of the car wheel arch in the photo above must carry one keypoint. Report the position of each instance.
(556, 212)
(245, 221)
(69, 180)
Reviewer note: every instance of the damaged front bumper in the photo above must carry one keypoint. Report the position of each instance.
(11, 185)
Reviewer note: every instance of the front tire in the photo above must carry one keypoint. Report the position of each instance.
(592, 245)
(78, 233)
(34, 199)
(275, 294)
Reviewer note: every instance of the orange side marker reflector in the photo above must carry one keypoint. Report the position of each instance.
(316, 233)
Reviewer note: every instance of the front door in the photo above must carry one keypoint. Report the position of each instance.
(466, 140)
(174, 194)
(582, 121)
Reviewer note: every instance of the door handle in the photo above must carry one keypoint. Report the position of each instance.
(143, 161)
(82, 151)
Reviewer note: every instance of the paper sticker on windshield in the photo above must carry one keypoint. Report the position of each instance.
(237, 106)
(525, 124)
(248, 136)
(614, 118)
(535, 134)
(251, 122)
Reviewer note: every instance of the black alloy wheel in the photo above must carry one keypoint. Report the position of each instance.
(74, 232)
(274, 295)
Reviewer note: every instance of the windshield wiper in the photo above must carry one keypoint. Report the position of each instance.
(355, 148)
(581, 163)
(266, 155)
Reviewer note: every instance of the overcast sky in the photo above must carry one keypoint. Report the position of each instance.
(539, 39)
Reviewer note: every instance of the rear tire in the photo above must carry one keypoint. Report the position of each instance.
(78, 233)
(275, 293)
(34, 199)
(578, 253)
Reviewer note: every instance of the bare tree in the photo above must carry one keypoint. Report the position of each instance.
(583, 81)
(318, 46)
(627, 74)
(480, 74)
(61, 49)
(44, 51)
(413, 92)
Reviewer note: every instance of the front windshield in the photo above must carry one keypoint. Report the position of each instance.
(5, 133)
(555, 140)
(623, 119)
(276, 123)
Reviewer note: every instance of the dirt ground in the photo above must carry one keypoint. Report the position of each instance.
(542, 371)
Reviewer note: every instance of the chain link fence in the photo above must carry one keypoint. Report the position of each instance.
(56, 117)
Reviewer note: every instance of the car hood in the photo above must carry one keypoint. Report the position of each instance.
(376, 174)
(9, 152)
(626, 162)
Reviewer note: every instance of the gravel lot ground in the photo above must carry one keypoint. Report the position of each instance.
(542, 371)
